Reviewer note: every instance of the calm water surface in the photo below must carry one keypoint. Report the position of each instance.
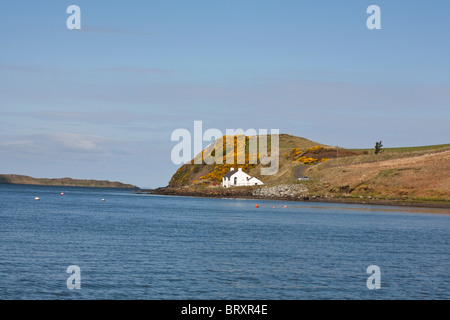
(157, 247)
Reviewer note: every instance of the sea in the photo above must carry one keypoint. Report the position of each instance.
(114, 244)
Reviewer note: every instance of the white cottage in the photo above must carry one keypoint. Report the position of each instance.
(239, 178)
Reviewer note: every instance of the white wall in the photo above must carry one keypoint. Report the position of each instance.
(242, 179)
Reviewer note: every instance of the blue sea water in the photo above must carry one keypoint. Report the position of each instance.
(135, 246)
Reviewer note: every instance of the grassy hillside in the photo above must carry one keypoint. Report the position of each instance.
(20, 179)
(419, 174)
(410, 173)
(293, 152)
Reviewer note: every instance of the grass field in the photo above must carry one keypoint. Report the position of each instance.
(414, 174)
(439, 147)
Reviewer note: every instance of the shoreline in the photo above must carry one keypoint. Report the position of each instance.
(247, 194)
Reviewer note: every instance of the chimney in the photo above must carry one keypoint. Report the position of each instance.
(239, 169)
(231, 169)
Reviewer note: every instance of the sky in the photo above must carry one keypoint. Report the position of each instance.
(102, 102)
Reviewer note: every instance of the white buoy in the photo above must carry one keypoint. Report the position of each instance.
(103, 200)
(37, 199)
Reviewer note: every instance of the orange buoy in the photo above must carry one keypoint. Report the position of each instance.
(62, 193)
(256, 206)
(273, 207)
(285, 206)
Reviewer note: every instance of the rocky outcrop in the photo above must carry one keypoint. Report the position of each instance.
(281, 191)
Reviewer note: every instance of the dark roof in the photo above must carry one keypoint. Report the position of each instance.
(230, 173)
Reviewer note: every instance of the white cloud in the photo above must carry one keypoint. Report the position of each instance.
(17, 143)
(59, 144)
(77, 142)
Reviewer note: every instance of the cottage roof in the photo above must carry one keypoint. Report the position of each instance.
(230, 173)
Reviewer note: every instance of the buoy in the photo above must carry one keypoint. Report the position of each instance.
(62, 193)
(37, 199)
(103, 200)
(256, 206)
(285, 206)
(273, 207)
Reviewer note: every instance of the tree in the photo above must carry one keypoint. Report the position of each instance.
(378, 146)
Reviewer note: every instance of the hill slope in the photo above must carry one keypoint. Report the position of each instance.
(421, 175)
(409, 175)
(295, 155)
(194, 174)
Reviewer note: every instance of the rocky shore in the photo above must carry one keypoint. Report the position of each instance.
(296, 192)
(281, 192)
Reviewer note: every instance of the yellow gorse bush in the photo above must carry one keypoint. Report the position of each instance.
(233, 145)
(298, 155)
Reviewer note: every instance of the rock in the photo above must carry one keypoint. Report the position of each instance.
(286, 191)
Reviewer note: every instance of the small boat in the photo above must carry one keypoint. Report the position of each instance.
(37, 199)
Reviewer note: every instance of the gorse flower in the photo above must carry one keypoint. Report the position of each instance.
(298, 155)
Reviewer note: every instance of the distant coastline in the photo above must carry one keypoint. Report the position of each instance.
(69, 182)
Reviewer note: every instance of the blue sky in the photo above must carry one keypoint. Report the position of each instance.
(102, 102)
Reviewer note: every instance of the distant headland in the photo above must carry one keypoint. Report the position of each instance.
(69, 182)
